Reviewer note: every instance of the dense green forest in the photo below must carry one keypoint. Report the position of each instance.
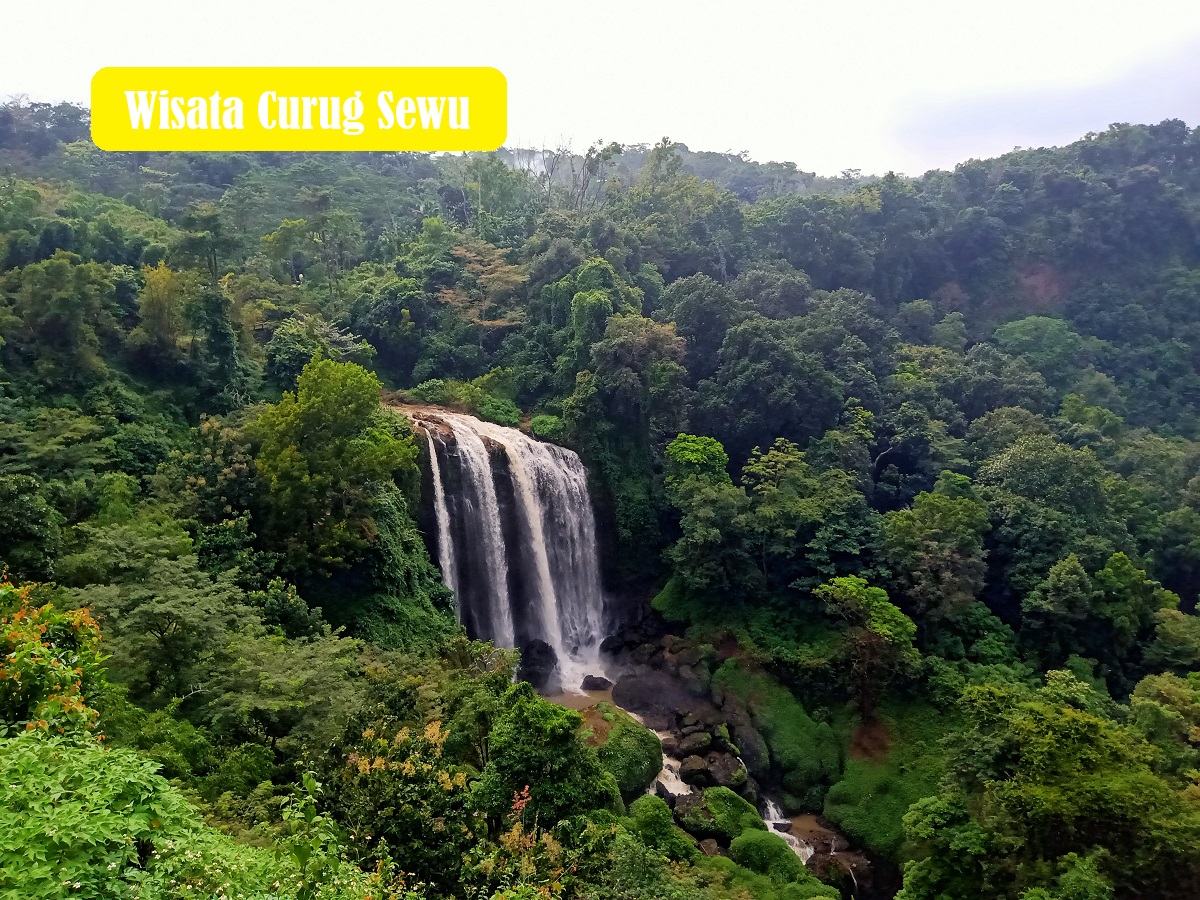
(911, 466)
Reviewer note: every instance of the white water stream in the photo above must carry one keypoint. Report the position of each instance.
(669, 776)
(442, 516)
(774, 816)
(479, 489)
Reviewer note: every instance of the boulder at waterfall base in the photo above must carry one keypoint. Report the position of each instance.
(694, 770)
(626, 748)
(717, 813)
(539, 666)
(726, 770)
(694, 744)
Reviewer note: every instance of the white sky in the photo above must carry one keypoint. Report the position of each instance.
(905, 85)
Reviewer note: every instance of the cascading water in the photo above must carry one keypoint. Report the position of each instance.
(517, 544)
(775, 818)
(669, 776)
(442, 516)
(484, 545)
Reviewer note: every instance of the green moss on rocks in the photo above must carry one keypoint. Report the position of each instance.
(717, 813)
(631, 752)
(613, 802)
(807, 752)
(768, 854)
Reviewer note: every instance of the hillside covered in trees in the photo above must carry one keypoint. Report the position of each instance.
(907, 470)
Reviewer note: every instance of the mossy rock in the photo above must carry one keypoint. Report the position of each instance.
(724, 740)
(768, 854)
(807, 752)
(695, 744)
(717, 813)
(631, 752)
(727, 770)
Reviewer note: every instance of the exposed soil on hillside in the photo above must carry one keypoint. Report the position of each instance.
(728, 648)
(594, 721)
(870, 741)
(1041, 285)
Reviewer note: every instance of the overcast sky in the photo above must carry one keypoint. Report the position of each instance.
(828, 84)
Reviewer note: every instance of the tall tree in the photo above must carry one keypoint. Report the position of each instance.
(880, 636)
(322, 452)
(935, 548)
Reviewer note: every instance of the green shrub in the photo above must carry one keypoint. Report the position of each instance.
(626, 868)
(610, 794)
(870, 800)
(81, 820)
(431, 391)
(470, 396)
(650, 818)
(535, 736)
(52, 667)
(677, 604)
(739, 881)
(633, 754)
(183, 750)
(411, 799)
(243, 769)
(810, 887)
(549, 428)
(101, 821)
(498, 410)
(410, 624)
(499, 382)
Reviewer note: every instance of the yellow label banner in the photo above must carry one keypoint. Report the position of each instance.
(254, 108)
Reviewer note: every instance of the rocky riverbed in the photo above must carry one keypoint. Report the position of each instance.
(710, 739)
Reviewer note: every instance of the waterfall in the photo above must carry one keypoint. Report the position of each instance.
(442, 516)
(492, 619)
(517, 544)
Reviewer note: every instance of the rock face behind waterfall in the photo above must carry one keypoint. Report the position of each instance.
(516, 540)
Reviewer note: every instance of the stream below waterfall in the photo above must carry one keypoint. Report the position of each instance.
(782, 825)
